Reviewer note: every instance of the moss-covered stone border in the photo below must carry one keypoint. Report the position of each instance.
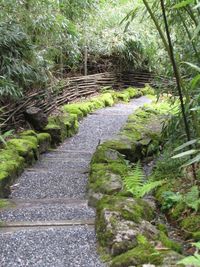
(124, 226)
(25, 149)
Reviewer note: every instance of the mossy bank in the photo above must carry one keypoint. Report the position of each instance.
(126, 227)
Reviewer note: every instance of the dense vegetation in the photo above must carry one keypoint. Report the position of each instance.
(43, 40)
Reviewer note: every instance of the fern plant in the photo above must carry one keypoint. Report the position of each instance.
(190, 199)
(135, 182)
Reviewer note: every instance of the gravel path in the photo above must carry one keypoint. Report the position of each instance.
(54, 190)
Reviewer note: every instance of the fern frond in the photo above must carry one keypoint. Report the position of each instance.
(148, 187)
(135, 184)
(192, 199)
(134, 181)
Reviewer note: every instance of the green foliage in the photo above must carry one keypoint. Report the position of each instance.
(18, 62)
(191, 151)
(135, 184)
(170, 199)
(38, 38)
(4, 136)
(192, 260)
(191, 199)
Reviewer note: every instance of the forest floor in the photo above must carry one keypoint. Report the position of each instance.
(49, 222)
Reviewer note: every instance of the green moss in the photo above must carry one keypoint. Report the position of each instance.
(107, 99)
(71, 124)
(148, 90)
(104, 154)
(31, 139)
(129, 209)
(4, 203)
(73, 109)
(124, 145)
(97, 103)
(162, 228)
(43, 137)
(160, 190)
(106, 184)
(138, 256)
(133, 131)
(113, 167)
(123, 96)
(133, 92)
(55, 132)
(11, 165)
(57, 129)
(169, 243)
(106, 178)
(28, 133)
(177, 210)
(51, 126)
(191, 223)
(25, 148)
(141, 239)
(81, 109)
(44, 141)
(196, 236)
(111, 210)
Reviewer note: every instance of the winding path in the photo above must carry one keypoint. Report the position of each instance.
(50, 223)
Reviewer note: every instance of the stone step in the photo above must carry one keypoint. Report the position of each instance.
(69, 151)
(23, 225)
(39, 170)
(44, 210)
(63, 164)
(54, 183)
(53, 246)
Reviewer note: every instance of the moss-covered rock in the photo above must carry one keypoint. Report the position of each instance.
(119, 222)
(107, 170)
(104, 154)
(191, 224)
(44, 142)
(123, 96)
(133, 92)
(147, 90)
(167, 242)
(73, 109)
(124, 145)
(142, 254)
(28, 133)
(26, 147)
(71, 124)
(97, 103)
(11, 165)
(55, 132)
(107, 99)
(129, 208)
(57, 129)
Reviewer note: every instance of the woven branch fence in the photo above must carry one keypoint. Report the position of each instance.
(69, 90)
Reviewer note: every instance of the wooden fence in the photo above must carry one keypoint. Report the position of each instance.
(71, 89)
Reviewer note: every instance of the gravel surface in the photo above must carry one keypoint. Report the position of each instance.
(48, 212)
(54, 247)
(60, 174)
(55, 184)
